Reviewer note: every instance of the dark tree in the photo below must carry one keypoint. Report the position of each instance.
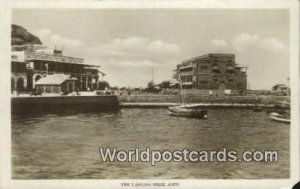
(151, 87)
(102, 85)
(165, 84)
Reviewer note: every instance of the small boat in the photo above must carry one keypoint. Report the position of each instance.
(184, 111)
(285, 118)
(283, 113)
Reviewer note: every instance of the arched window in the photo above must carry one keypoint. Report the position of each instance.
(20, 84)
(215, 68)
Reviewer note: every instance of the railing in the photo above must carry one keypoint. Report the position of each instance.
(186, 67)
(68, 73)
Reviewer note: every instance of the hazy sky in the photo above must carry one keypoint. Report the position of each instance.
(128, 43)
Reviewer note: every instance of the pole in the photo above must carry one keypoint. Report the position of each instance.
(181, 91)
(152, 74)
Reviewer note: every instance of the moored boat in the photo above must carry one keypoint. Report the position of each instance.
(285, 118)
(184, 111)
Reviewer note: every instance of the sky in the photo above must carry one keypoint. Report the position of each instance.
(129, 43)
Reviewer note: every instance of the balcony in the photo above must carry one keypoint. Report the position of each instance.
(241, 68)
(186, 68)
(189, 73)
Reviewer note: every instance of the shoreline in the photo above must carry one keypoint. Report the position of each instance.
(61, 103)
(193, 98)
(147, 101)
(200, 105)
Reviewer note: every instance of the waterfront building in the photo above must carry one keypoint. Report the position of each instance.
(29, 63)
(212, 72)
(56, 83)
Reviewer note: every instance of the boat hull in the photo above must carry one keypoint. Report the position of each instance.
(187, 112)
(279, 118)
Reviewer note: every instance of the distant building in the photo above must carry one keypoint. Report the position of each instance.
(280, 87)
(29, 63)
(212, 71)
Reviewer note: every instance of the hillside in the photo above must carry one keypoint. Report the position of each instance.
(20, 36)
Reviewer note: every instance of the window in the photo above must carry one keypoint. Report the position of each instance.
(215, 68)
(40, 89)
(239, 86)
(56, 89)
(201, 68)
(48, 89)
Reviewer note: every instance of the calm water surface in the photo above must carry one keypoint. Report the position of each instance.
(65, 145)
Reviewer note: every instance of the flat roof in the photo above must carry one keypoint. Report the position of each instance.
(207, 55)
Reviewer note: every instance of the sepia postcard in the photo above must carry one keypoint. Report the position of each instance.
(140, 94)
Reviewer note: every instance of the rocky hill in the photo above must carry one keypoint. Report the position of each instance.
(20, 36)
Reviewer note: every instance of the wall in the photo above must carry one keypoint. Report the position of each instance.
(60, 103)
(203, 99)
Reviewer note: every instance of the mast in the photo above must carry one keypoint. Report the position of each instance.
(181, 91)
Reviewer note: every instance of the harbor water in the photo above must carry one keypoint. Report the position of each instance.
(65, 145)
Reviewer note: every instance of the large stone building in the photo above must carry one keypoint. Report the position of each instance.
(213, 72)
(29, 63)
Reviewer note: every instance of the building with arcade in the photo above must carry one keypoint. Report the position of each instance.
(30, 63)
